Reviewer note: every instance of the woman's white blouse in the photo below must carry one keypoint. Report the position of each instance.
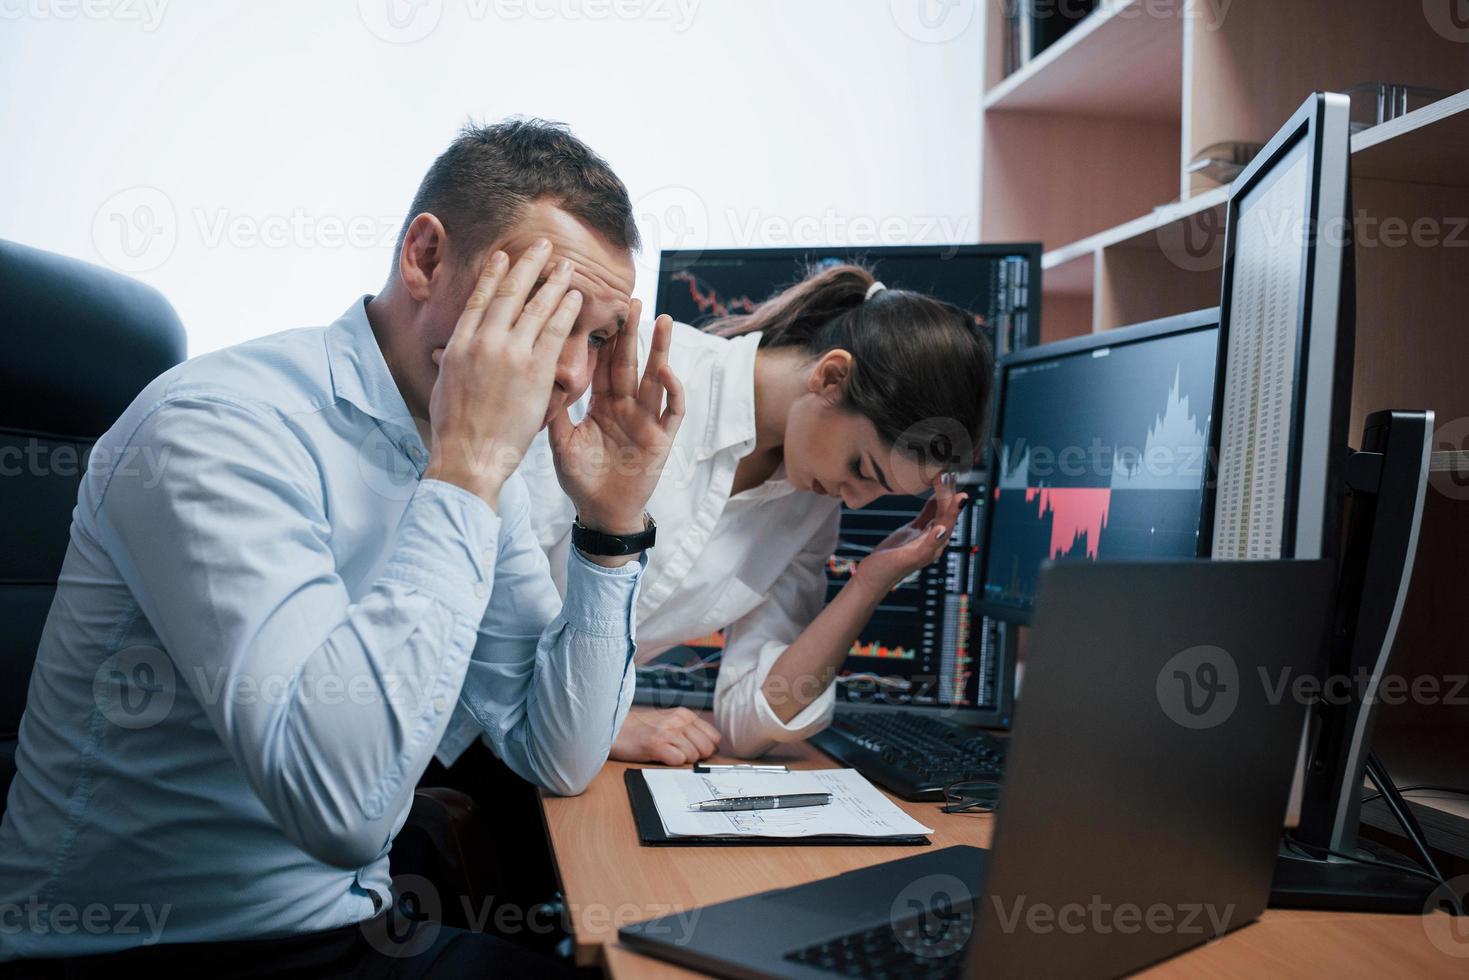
(754, 562)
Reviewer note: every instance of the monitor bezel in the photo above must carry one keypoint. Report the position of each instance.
(1169, 326)
(670, 260)
(1321, 370)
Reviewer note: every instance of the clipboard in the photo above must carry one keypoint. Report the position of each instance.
(652, 834)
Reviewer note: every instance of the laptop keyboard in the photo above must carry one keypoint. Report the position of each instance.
(929, 948)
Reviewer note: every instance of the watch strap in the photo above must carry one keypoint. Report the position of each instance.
(593, 542)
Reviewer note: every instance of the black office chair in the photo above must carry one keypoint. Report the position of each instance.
(80, 343)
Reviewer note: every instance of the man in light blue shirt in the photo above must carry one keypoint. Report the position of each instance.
(302, 567)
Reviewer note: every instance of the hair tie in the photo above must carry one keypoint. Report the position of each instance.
(873, 290)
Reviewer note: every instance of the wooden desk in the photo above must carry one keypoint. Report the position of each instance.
(609, 880)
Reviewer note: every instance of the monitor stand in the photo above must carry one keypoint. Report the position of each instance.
(1337, 884)
(1386, 481)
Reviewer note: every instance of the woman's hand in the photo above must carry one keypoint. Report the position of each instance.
(672, 736)
(918, 543)
(609, 463)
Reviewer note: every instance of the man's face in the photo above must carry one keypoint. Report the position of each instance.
(601, 272)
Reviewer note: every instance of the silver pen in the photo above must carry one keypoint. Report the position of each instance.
(783, 802)
(738, 767)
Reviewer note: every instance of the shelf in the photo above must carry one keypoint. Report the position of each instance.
(1125, 60)
(1133, 232)
(1427, 146)
(1250, 69)
(1073, 278)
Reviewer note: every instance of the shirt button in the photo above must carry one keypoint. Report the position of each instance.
(439, 705)
(415, 453)
(481, 589)
(488, 554)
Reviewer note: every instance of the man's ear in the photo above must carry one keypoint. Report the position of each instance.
(828, 377)
(424, 256)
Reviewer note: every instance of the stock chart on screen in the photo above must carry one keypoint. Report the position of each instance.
(924, 645)
(1099, 453)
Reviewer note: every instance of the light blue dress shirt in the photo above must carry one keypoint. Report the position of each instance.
(266, 625)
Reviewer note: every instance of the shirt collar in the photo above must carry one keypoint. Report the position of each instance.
(732, 423)
(359, 373)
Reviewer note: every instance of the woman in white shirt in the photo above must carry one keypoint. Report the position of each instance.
(833, 391)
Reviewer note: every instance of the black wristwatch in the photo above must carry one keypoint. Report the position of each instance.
(590, 542)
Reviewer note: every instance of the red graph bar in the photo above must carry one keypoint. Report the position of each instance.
(1075, 512)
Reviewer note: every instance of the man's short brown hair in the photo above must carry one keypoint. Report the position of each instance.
(481, 185)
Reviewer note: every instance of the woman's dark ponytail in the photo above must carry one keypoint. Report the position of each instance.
(794, 315)
(922, 369)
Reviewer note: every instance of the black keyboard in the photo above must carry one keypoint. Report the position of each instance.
(909, 754)
(930, 947)
(667, 688)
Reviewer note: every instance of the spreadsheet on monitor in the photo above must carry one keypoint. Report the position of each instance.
(1261, 366)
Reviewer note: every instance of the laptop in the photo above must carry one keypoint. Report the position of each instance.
(1146, 790)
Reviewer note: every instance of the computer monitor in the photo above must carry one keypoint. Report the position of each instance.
(1286, 336)
(999, 284)
(1279, 441)
(927, 647)
(1098, 453)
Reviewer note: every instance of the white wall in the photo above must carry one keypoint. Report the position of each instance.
(253, 160)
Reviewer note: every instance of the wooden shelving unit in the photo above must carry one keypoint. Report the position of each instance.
(1086, 150)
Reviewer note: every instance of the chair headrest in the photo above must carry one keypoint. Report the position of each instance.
(80, 342)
